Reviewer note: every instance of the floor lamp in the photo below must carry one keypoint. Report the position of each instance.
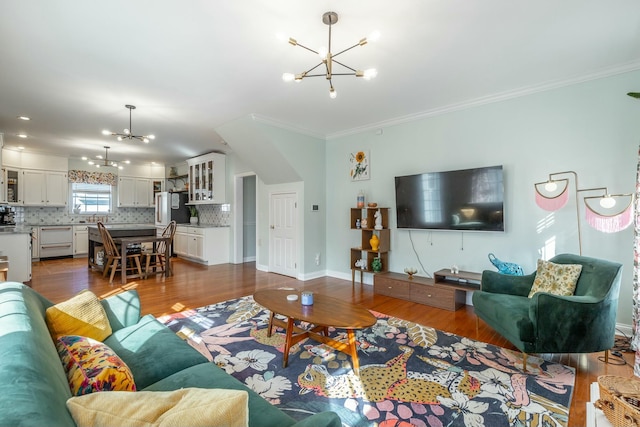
(553, 194)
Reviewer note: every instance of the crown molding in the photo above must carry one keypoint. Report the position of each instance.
(498, 97)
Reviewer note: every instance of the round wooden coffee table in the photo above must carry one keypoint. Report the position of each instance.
(325, 311)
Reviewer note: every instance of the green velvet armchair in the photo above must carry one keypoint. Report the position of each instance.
(581, 323)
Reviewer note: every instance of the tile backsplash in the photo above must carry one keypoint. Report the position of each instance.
(218, 215)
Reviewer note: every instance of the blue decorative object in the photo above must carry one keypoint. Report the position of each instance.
(506, 267)
(307, 298)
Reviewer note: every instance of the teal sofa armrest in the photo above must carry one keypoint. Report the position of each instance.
(122, 309)
(597, 319)
(499, 283)
(323, 419)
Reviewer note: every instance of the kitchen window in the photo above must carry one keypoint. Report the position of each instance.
(91, 198)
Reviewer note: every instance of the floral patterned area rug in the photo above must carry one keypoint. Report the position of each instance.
(410, 374)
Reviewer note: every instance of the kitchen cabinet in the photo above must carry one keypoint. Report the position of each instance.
(80, 240)
(207, 245)
(207, 179)
(55, 241)
(13, 186)
(135, 192)
(44, 188)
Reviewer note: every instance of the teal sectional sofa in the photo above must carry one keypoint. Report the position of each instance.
(33, 384)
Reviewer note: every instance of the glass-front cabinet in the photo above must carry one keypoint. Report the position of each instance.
(207, 179)
(13, 195)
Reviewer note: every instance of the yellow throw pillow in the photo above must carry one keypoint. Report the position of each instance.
(92, 366)
(192, 407)
(81, 315)
(557, 279)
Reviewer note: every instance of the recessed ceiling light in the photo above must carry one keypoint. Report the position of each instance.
(24, 118)
(21, 135)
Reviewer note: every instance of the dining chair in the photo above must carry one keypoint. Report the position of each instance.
(113, 258)
(155, 259)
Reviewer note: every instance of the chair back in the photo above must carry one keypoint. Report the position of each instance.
(599, 278)
(110, 248)
(169, 231)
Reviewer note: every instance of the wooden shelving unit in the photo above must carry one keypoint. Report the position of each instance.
(364, 251)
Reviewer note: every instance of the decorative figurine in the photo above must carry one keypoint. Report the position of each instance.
(378, 217)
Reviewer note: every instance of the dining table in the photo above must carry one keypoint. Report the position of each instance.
(124, 242)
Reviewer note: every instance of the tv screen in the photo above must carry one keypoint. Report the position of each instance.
(462, 200)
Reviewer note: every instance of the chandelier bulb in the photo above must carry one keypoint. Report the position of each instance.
(374, 36)
(106, 132)
(119, 138)
(126, 131)
(551, 186)
(322, 52)
(151, 137)
(145, 140)
(288, 77)
(370, 73)
(332, 93)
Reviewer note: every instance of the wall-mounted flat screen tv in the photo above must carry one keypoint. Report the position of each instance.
(462, 200)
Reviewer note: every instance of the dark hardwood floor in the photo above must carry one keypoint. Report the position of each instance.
(194, 285)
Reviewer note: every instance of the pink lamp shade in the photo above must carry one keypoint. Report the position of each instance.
(552, 203)
(609, 223)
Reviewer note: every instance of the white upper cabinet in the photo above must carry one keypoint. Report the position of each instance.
(44, 188)
(207, 179)
(135, 192)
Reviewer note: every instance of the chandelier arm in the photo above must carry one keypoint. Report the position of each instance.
(343, 74)
(345, 66)
(347, 49)
(308, 48)
(311, 69)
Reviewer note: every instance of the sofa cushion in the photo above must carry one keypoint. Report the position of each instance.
(208, 375)
(152, 351)
(192, 407)
(92, 366)
(81, 315)
(557, 279)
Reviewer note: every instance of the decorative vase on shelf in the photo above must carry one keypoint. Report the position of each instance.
(376, 265)
(374, 242)
(193, 220)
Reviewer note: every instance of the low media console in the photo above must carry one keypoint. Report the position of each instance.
(446, 290)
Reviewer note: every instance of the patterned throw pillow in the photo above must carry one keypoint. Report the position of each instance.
(92, 366)
(557, 279)
(81, 315)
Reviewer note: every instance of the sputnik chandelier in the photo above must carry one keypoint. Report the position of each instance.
(106, 162)
(128, 132)
(328, 58)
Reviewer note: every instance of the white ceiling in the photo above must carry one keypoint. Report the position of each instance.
(190, 66)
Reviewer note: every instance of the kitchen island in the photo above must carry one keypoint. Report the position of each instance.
(95, 260)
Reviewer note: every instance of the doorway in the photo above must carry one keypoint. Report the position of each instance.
(245, 222)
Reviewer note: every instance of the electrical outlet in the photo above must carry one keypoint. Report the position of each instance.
(317, 259)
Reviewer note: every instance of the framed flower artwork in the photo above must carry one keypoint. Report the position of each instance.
(359, 168)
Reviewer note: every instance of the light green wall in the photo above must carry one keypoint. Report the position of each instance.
(592, 128)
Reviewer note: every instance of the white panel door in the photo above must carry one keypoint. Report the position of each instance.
(284, 229)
